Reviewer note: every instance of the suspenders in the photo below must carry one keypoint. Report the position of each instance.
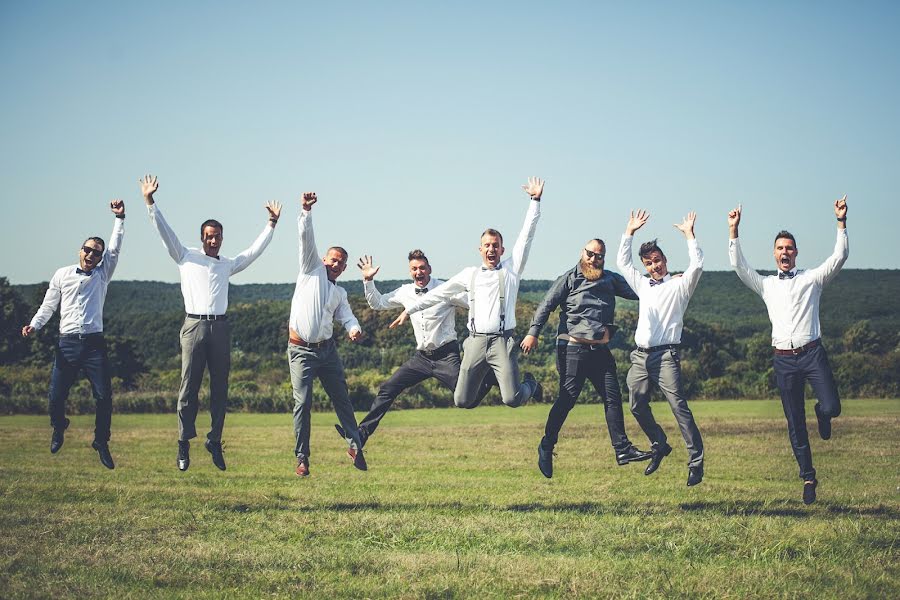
(502, 275)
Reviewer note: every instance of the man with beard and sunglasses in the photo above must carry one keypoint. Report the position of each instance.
(586, 296)
(79, 292)
(792, 298)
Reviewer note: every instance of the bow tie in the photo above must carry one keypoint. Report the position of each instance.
(420, 290)
(497, 268)
(656, 282)
(788, 275)
(79, 271)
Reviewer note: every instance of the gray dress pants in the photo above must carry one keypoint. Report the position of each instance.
(306, 364)
(491, 352)
(204, 344)
(662, 367)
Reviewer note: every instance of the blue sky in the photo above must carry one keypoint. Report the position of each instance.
(416, 123)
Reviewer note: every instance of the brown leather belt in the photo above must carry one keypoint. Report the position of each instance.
(303, 343)
(798, 351)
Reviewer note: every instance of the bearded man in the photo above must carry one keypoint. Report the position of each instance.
(586, 295)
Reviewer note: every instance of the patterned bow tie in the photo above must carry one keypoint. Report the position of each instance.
(497, 268)
(788, 275)
(656, 282)
(79, 271)
(419, 290)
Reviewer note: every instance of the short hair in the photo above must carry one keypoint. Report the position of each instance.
(418, 255)
(98, 240)
(785, 234)
(492, 231)
(647, 248)
(599, 241)
(210, 223)
(339, 249)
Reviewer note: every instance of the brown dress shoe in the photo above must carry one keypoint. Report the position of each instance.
(302, 466)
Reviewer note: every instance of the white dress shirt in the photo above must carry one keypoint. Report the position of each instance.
(433, 326)
(204, 279)
(487, 284)
(661, 307)
(80, 296)
(793, 304)
(317, 302)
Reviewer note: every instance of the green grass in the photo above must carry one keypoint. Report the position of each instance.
(453, 506)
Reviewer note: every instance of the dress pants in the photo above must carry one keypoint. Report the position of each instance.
(307, 364)
(75, 353)
(576, 364)
(485, 353)
(791, 373)
(204, 344)
(662, 367)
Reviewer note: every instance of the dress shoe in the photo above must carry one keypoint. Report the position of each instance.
(56, 440)
(302, 466)
(809, 491)
(215, 448)
(184, 455)
(545, 461)
(824, 424)
(363, 436)
(359, 461)
(537, 395)
(630, 455)
(658, 454)
(102, 449)
(695, 475)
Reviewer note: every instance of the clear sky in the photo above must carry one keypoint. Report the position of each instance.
(416, 123)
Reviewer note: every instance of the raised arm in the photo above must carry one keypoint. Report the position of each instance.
(553, 298)
(309, 256)
(832, 265)
(624, 261)
(51, 302)
(374, 298)
(691, 276)
(246, 258)
(534, 188)
(745, 272)
(111, 257)
(149, 185)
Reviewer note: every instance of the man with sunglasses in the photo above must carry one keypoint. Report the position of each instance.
(206, 333)
(79, 292)
(586, 296)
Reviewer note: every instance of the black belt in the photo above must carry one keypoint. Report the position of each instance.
(304, 344)
(506, 332)
(81, 336)
(797, 351)
(652, 349)
(442, 351)
(208, 317)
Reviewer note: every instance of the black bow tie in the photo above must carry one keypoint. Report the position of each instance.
(421, 290)
(79, 271)
(656, 282)
(788, 275)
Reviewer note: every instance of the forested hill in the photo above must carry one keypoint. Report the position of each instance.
(854, 295)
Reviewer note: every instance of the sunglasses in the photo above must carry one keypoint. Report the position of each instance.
(590, 254)
(89, 250)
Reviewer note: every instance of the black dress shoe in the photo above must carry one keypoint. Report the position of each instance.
(537, 394)
(184, 455)
(56, 440)
(363, 436)
(824, 424)
(215, 448)
(809, 491)
(659, 453)
(358, 458)
(102, 449)
(695, 475)
(545, 461)
(630, 455)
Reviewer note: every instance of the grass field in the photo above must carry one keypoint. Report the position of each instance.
(453, 506)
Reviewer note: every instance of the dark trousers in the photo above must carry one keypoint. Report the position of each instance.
(89, 355)
(792, 373)
(443, 364)
(576, 364)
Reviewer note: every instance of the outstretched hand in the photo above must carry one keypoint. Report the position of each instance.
(399, 320)
(274, 209)
(534, 187)
(117, 207)
(636, 220)
(840, 208)
(149, 185)
(368, 269)
(687, 225)
(308, 199)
